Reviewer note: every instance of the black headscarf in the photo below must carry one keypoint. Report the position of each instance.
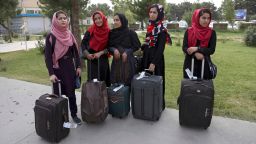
(120, 37)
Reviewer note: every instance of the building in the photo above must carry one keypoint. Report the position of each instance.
(30, 20)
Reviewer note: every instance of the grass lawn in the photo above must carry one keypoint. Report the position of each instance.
(235, 85)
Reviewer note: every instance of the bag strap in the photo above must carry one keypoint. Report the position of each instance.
(53, 38)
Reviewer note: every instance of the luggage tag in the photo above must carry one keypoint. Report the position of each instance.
(142, 74)
(69, 125)
(189, 73)
(118, 88)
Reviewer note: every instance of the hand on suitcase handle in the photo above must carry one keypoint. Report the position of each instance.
(53, 78)
(149, 71)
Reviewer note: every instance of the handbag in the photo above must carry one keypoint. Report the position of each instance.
(78, 78)
(78, 82)
(212, 68)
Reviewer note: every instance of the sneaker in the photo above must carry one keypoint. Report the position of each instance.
(77, 120)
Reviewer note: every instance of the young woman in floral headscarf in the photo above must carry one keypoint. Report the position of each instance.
(94, 47)
(60, 49)
(156, 38)
(199, 42)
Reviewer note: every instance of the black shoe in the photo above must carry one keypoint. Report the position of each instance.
(77, 120)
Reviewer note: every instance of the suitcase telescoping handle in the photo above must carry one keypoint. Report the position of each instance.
(59, 87)
(192, 67)
(148, 71)
(90, 61)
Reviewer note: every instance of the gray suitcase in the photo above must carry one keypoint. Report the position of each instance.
(196, 101)
(147, 97)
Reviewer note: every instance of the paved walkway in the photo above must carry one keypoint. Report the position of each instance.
(17, 124)
(15, 46)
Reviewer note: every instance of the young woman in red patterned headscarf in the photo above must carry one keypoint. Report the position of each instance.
(199, 42)
(153, 48)
(94, 47)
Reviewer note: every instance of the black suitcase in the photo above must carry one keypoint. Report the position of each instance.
(51, 111)
(147, 97)
(196, 101)
(119, 100)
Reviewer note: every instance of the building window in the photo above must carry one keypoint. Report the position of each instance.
(30, 11)
(88, 22)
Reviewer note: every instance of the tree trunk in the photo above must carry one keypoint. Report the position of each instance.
(75, 21)
(75, 11)
(8, 30)
(142, 25)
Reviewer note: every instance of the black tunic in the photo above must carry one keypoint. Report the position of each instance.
(155, 55)
(66, 71)
(104, 71)
(197, 64)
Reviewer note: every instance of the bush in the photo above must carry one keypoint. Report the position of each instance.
(40, 46)
(250, 36)
(178, 43)
(6, 38)
(27, 37)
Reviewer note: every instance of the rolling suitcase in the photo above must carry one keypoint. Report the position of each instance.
(119, 100)
(94, 100)
(196, 101)
(147, 96)
(51, 111)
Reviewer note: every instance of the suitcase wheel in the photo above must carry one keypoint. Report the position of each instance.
(180, 122)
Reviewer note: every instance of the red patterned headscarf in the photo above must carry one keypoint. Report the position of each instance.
(197, 32)
(99, 35)
(156, 27)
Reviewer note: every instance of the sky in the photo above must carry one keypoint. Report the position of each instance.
(216, 2)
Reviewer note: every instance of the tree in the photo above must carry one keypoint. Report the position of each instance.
(101, 7)
(213, 9)
(228, 11)
(50, 6)
(140, 8)
(177, 11)
(187, 16)
(120, 6)
(8, 10)
(75, 20)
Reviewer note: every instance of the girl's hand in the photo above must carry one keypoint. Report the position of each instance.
(78, 71)
(152, 67)
(53, 78)
(199, 56)
(191, 50)
(90, 56)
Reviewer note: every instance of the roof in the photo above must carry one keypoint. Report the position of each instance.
(29, 15)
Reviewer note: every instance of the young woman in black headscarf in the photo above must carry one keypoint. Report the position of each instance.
(122, 43)
(153, 49)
